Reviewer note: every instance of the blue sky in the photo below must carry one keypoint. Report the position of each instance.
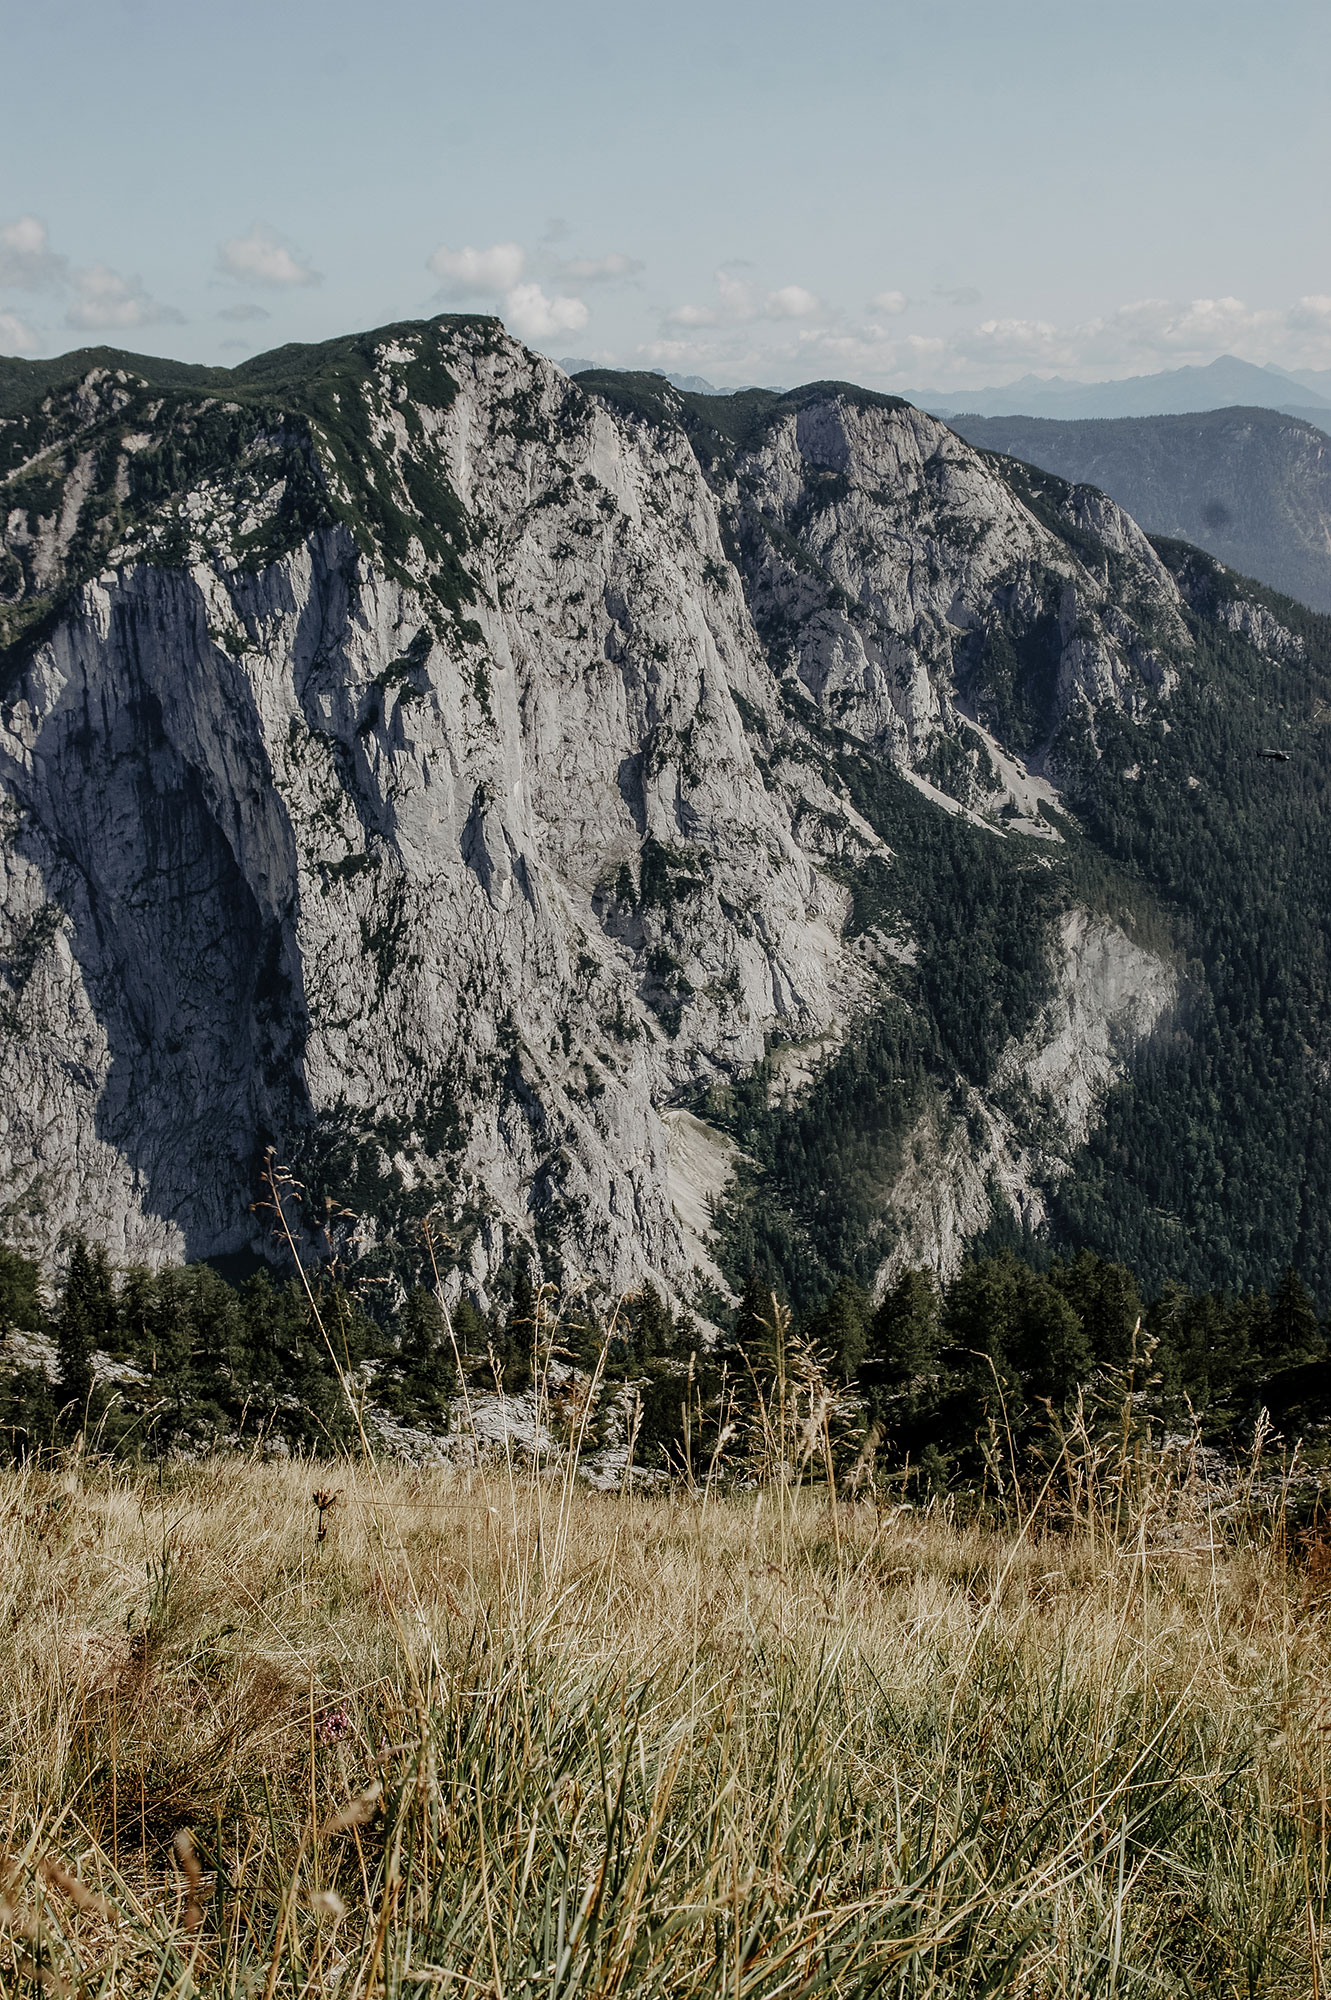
(907, 195)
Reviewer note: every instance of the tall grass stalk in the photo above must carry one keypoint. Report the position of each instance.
(498, 1733)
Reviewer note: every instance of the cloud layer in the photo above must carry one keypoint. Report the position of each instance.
(917, 342)
(27, 262)
(96, 298)
(103, 300)
(16, 336)
(479, 274)
(746, 324)
(738, 302)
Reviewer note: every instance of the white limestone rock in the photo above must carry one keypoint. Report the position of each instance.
(461, 885)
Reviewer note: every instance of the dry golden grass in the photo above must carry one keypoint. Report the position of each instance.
(506, 1736)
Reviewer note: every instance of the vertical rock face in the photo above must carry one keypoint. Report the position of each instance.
(890, 562)
(428, 766)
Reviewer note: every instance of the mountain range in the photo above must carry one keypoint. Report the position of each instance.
(1173, 391)
(637, 833)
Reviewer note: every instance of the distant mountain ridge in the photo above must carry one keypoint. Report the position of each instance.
(1250, 486)
(1222, 384)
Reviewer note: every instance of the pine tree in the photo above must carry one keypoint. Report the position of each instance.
(86, 1321)
(470, 1329)
(903, 1335)
(1295, 1335)
(20, 1293)
(757, 1326)
(838, 1329)
(652, 1325)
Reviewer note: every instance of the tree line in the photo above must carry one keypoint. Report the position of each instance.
(143, 1363)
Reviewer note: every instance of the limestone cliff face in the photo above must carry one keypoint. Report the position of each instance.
(1108, 997)
(894, 567)
(425, 773)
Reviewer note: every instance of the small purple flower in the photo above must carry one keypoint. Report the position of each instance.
(333, 1725)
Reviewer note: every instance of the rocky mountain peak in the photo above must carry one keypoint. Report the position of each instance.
(445, 772)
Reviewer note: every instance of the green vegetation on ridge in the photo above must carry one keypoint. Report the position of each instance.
(296, 440)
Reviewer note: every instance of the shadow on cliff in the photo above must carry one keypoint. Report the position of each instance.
(150, 810)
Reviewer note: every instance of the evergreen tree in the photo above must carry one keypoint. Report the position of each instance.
(1105, 1298)
(20, 1293)
(1295, 1334)
(85, 1322)
(1016, 1334)
(898, 1376)
(1210, 1353)
(904, 1333)
(1046, 1341)
(27, 1410)
(652, 1325)
(471, 1330)
(426, 1354)
(757, 1335)
(838, 1329)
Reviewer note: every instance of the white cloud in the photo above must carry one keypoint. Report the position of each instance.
(495, 274)
(742, 331)
(244, 309)
(102, 298)
(870, 351)
(27, 260)
(1139, 337)
(958, 295)
(791, 302)
(16, 335)
(533, 316)
(1015, 339)
(614, 268)
(98, 296)
(261, 258)
(739, 303)
(1311, 315)
(479, 274)
(264, 259)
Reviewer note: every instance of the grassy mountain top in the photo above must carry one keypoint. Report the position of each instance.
(281, 373)
(291, 441)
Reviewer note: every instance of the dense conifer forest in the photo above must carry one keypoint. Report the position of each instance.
(925, 1387)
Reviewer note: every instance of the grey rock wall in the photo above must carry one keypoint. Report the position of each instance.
(462, 896)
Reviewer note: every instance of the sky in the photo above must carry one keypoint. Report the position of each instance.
(940, 194)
